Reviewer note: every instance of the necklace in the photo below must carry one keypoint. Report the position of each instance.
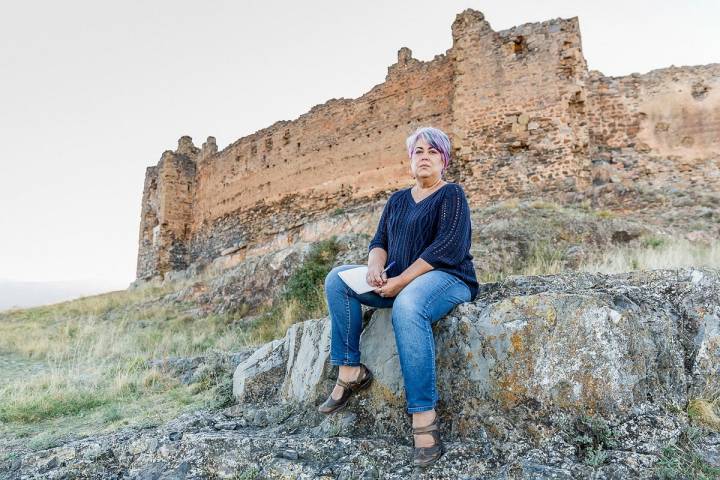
(430, 189)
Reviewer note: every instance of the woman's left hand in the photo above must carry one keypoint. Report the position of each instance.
(391, 288)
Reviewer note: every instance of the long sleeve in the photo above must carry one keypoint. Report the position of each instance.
(452, 241)
(381, 237)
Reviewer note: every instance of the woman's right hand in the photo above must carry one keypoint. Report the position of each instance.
(375, 276)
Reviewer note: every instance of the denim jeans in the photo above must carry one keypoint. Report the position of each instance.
(420, 304)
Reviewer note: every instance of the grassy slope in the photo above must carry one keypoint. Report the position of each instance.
(86, 359)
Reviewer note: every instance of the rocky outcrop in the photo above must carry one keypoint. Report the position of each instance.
(246, 285)
(582, 342)
(566, 376)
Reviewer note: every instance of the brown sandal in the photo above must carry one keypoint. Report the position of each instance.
(364, 380)
(424, 456)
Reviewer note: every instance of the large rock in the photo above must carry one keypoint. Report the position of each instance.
(588, 343)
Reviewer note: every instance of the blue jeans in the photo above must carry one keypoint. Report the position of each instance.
(421, 303)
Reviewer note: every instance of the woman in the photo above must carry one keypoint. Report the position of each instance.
(424, 237)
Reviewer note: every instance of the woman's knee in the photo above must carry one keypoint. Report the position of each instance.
(407, 307)
(332, 279)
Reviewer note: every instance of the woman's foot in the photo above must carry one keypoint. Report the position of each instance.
(346, 374)
(362, 378)
(423, 419)
(428, 445)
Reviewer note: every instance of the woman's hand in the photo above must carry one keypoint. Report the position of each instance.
(391, 288)
(375, 276)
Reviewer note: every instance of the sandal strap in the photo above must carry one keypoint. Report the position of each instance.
(427, 429)
(361, 377)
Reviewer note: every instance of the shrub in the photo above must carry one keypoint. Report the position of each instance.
(304, 283)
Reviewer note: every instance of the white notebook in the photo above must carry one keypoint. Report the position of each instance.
(355, 279)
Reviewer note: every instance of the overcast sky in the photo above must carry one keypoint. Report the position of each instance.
(92, 92)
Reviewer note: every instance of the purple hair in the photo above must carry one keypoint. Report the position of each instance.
(436, 138)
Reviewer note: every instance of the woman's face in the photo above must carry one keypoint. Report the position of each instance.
(426, 161)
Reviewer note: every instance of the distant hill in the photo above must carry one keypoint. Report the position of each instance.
(14, 294)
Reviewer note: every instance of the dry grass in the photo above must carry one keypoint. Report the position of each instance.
(705, 411)
(92, 362)
(544, 259)
(94, 354)
(657, 254)
(95, 373)
(651, 253)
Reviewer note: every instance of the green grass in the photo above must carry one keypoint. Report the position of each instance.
(653, 241)
(592, 436)
(50, 404)
(607, 214)
(595, 457)
(90, 356)
(679, 460)
(303, 284)
(250, 473)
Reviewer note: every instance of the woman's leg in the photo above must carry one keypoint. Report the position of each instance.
(346, 324)
(421, 303)
(346, 317)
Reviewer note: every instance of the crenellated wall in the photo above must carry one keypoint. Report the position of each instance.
(518, 107)
(525, 117)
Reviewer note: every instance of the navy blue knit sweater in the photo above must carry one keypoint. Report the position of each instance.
(436, 229)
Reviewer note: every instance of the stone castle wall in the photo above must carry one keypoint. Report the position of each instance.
(518, 107)
(661, 128)
(524, 115)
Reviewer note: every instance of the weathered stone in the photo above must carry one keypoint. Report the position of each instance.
(308, 360)
(581, 342)
(253, 378)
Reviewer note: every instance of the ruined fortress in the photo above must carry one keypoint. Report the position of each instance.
(524, 114)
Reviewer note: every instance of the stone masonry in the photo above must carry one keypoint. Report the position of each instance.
(524, 114)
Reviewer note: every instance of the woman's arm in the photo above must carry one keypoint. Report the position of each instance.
(417, 268)
(452, 240)
(376, 264)
(393, 285)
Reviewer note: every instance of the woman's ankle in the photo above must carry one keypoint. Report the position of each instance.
(348, 373)
(423, 419)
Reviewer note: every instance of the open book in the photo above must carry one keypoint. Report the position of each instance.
(355, 279)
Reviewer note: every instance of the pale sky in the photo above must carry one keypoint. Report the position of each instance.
(92, 92)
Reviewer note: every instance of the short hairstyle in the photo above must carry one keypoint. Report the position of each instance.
(436, 138)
